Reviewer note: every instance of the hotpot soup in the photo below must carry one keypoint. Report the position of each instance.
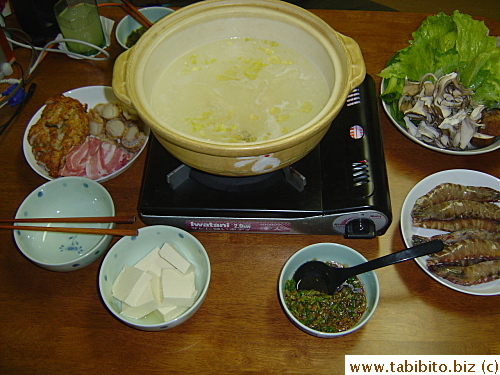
(239, 90)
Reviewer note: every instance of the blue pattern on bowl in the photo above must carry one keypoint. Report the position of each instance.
(65, 197)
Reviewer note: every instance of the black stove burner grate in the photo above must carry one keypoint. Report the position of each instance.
(231, 184)
(343, 178)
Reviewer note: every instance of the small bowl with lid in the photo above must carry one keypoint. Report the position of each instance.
(62, 198)
(328, 252)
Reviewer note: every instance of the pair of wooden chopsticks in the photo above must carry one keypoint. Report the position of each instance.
(130, 9)
(100, 231)
(138, 16)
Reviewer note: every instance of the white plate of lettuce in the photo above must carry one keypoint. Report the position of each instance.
(444, 44)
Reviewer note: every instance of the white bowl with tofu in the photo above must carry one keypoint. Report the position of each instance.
(156, 280)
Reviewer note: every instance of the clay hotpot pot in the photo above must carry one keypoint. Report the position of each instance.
(338, 58)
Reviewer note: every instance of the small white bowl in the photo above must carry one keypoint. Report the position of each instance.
(127, 24)
(340, 254)
(129, 250)
(64, 197)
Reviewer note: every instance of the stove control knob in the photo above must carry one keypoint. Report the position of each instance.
(360, 228)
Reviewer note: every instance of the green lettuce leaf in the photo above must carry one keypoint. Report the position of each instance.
(445, 44)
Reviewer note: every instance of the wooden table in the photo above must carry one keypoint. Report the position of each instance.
(56, 323)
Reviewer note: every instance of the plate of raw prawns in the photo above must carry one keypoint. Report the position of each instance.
(462, 207)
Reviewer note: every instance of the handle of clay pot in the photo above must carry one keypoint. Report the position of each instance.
(119, 82)
(357, 66)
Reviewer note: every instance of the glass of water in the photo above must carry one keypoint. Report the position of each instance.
(79, 19)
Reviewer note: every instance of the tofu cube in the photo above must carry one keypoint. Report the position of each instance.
(153, 262)
(130, 285)
(156, 286)
(167, 313)
(174, 257)
(146, 304)
(162, 282)
(178, 289)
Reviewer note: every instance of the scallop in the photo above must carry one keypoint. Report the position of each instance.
(128, 113)
(96, 123)
(107, 110)
(103, 137)
(133, 139)
(115, 128)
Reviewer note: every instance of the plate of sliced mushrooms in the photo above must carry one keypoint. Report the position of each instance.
(438, 114)
(84, 132)
(441, 91)
(461, 208)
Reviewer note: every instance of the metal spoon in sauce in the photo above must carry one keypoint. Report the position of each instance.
(318, 275)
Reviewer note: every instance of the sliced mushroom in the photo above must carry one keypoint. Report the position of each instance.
(428, 131)
(467, 130)
(443, 109)
(405, 104)
(410, 126)
(418, 111)
(411, 88)
(443, 141)
(428, 88)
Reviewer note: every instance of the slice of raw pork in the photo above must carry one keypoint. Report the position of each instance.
(94, 159)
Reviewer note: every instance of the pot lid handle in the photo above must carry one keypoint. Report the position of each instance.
(119, 82)
(355, 61)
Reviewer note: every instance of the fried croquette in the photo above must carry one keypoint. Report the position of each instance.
(63, 124)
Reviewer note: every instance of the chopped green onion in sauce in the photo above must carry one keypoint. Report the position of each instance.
(327, 313)
(134, 36)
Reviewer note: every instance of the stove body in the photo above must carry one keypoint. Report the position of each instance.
(339, 188)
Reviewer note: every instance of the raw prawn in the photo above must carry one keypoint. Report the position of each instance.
(471, 275)
(466, 253)
(457, 224)
(459, 235)
(450, 191)
(458, 209)
(472, 250)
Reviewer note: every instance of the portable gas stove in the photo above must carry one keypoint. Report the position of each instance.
(338, 188)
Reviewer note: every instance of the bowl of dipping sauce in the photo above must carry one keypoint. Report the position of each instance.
(157, 280)
(62, 198)
(324, 315)
(128, 31)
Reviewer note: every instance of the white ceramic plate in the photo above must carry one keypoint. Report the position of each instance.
(90, 95)
(458, 176)
(387, 108)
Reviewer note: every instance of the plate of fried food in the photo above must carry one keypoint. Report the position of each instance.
(461, 208)
(84, 132)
